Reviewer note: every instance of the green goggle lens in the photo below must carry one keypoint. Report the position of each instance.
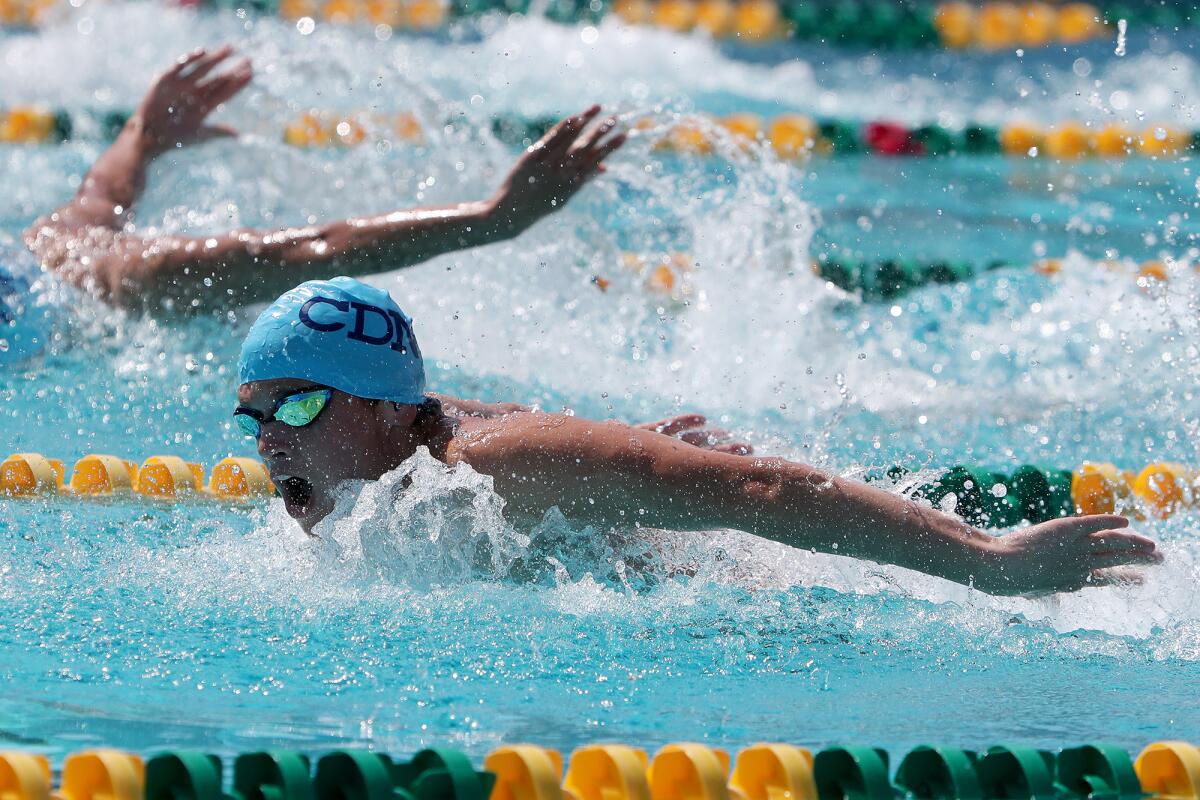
(300, 410)
(296, 411)
(249, 425)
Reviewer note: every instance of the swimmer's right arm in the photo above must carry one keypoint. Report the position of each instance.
(88, 241)
(611, 475)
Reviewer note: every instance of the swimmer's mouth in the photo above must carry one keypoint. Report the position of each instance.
(295, 491)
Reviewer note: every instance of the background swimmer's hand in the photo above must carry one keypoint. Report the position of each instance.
(173, 111)
(553, 169)
(695, 430)
(1065, 555)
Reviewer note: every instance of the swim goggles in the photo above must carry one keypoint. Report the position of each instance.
(296, 410)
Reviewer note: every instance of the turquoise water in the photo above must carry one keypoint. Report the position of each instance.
(141, 626)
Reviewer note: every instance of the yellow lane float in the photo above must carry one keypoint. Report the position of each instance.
(525, 772)
(1165, 487)
(30, 474)
(1102, 489)
(159, 477)
(774, 772)
(102, 775)
(99, 475)
(689, 772)
(24, 776)
(608, 772)
(1170, 770)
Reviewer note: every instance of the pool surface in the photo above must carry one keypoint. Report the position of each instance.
(141, 626)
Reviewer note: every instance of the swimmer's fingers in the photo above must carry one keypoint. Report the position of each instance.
(602, 152)
(555, 144)
(1119, 541)
(705, 437)
(717, 439)
(1111, 551)
(206, 63)
(225, 86)
(184, 61)
(672, 426)
(1117, 576)
(589, 142)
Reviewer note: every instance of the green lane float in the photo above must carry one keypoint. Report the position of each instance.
(183, 775)
(791, 136)
(681, 771)
(274, 775)
(97, 475)
(669, 274)
(890, 278)
(852, 773)
(939, 773)
(1097, 771)
(1017, 773)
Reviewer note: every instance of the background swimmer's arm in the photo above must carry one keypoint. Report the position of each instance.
(256, 265)
(613, 475)
(246, 265)
(171, 115)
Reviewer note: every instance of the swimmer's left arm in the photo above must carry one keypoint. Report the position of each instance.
(611, 474)
(257, 265)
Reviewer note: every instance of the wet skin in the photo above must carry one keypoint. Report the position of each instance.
(613, 475)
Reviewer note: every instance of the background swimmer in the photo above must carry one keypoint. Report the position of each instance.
(91, 242)
(333, 389)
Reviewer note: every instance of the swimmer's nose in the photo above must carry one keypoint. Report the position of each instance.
(270, 441)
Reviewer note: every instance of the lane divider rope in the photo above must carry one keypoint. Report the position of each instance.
(790, 136)
(29, 475)
(989, 26)
(679, 771)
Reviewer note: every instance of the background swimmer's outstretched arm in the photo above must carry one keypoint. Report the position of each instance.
(88, 240)
(612, 475)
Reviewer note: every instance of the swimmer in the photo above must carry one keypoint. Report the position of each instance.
(332, 386)
(89, 241)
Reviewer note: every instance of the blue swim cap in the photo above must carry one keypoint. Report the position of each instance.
(340, 333)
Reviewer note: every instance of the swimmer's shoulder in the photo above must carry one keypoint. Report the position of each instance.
(521, 441)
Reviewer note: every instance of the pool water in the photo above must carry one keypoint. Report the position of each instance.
(141, 626)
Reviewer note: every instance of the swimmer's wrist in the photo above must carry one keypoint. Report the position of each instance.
(136, 134)
(494, 219)
(991, 565)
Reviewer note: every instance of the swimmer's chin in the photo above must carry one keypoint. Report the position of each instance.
(310, 512)
(319, 509)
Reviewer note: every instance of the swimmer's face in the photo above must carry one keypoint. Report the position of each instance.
(348, 440)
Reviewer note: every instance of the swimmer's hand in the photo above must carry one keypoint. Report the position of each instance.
(1065, 555)
(553, 169)
(173, 111)
(695, 430)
